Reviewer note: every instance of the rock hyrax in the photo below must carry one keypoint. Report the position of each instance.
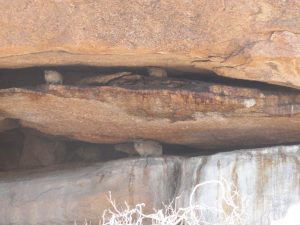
(53, 77)
(148, 148)
(157, 72)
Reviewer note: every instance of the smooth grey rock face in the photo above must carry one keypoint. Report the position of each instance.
(268, 181)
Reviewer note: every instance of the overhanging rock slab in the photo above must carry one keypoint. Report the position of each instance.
(254, 40)
(177, 112)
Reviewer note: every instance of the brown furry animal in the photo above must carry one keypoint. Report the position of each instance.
(53, 77)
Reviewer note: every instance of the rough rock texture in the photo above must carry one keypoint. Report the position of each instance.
(24, 148)
(41, 151)
(11, 144)
(268, 181)
(256, 40)
(8, 124)
(169, 111)
(87, 152)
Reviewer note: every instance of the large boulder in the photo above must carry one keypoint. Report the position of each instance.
(253, 40)
(193, 113)
(267, 180)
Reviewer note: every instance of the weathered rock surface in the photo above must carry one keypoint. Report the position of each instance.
(25, 148)
(169, 111)
(41, 151)
(11, 144)
(8, 124)
(268, 181)
(255, 40)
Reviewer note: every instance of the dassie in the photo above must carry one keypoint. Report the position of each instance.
(53, 77)
(157, 72)
(142, 147)
(148, 148)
